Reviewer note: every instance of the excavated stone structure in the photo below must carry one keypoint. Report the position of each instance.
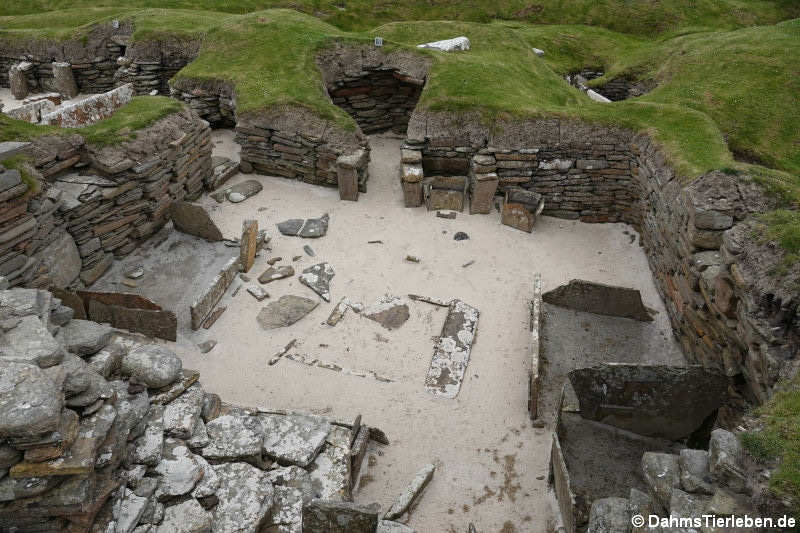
(726, 309)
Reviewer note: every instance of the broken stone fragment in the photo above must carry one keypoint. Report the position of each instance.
(387, 526)
(330, 471)
(127, 510)
(147, 449)
(151, 364)
(207, 346)
(411, 493)
(274, 273)
(390, 312)
(725, 459)
(318, 278)
(452, 351)
(285, 311)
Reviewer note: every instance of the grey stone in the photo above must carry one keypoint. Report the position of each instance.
(194, 220)
(318, 278)
(640, 503)
(390, 312)
(285, 311)
(108, 360)
(98, 389)
(207, 346)
(600, 299)
(245, 497)
(243, 190)
(77, 375)
(653, 400)
(233, 437)
(662, 474)
(274, 273)
(725, 503)
(151, 364)
(9, 456)
(11, 148)
(685, 505)
(448, 45)
(286, 514)
(293, 477)
(15, 489)
(31, 342)
(147, 448)
(84, 337)
(293, 439)
(185, 517)
(29, 402)
(321, 516)
(695, 476)
(308, 250)
(179, 470)
(258, 292)
(309, 228)
(411, 493)
(182, 413)
(460, 236)
(609, 515)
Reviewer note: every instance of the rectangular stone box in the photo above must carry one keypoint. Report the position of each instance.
(436, 199)
(482, 188)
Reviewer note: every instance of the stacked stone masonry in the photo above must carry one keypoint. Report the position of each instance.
(97, 203)
(104, 60)
(102, 430)
(725, 312)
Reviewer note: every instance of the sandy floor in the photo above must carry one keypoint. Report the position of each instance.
(492, 464)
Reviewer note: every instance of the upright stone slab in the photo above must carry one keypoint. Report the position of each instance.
(18, 81)
(64, 80)
(205, 303)
(482, 189)
(194, 219)
(347, 167)
(248, 244)
(652, 400)
(600, 299)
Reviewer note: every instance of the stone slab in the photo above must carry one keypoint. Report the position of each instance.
(452, 351)
(600, 299)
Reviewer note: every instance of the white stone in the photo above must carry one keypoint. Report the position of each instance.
(448, 45)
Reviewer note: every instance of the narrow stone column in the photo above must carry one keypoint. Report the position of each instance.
(18, 81)
(64, 80)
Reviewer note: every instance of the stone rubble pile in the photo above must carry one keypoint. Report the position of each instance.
(689, 485)
(102, 430)
(217, 107)
(96, 203)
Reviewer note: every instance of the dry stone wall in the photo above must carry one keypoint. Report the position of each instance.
(97, 203)
(728, 311)
(296, 144)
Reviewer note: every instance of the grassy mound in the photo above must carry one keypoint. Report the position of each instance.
(639, 17)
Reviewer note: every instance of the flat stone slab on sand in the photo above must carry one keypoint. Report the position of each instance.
(451, 354)
(318, 278)
(294, 439)
(285, 311)
(308, 228)
(600, 299)
(390, 312)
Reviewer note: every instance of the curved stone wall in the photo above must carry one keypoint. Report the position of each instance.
(96, 203)
(727, 309)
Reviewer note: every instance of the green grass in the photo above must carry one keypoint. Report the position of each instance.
(23, 164)
(779, 439)
(139, 113)
(640, 17)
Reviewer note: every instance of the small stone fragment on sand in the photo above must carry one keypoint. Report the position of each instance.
(460, 236)
(412, 258)
(274, 260)
(135, 272)
(273, 273)
(206, 346)
(258, 292)
(310, 251)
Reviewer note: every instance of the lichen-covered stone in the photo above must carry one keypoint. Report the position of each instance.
(293, 439)
(245, 497)
(151, 364)
(29, 403)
